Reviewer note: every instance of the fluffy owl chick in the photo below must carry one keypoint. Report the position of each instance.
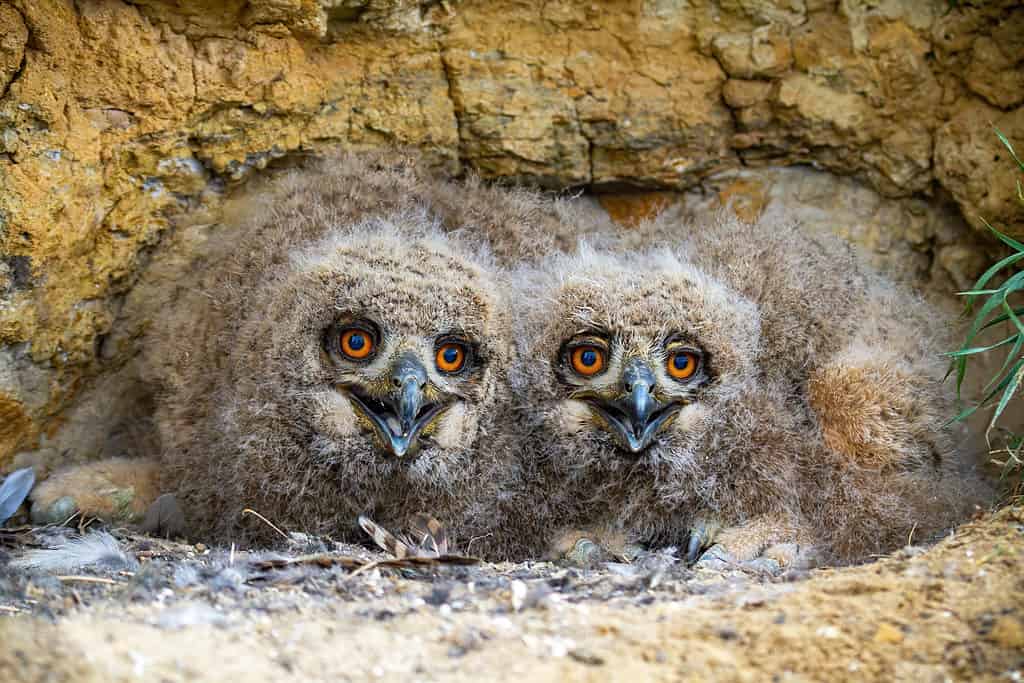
(361, 374)
(341, 351)
(753, 388)
(864, 356)
(645, 404)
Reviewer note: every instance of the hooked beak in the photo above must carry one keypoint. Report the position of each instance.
(636, 417)
(401, 416)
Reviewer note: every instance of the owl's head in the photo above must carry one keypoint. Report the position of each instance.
(627, 360)
(379, 348)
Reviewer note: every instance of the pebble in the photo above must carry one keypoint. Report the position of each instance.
(887, 633)
(1008, 632)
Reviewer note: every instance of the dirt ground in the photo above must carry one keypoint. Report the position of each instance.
(184, 613)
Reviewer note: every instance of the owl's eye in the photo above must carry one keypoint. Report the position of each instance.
(451, 357)
(682, 364)
(587, 360)
(356, 343)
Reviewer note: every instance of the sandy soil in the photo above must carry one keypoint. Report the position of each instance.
(952, 612)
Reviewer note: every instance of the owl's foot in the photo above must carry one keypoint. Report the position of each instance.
(772, 561)
(118, 491)
(760, 546)
(588, 549)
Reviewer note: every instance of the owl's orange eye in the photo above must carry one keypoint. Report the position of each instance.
(450, 357)
(682, 364)
(587, 360)
(356, 343)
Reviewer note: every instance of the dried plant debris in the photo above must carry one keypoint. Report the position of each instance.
(427, 545)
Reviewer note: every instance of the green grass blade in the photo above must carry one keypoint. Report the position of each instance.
(1010, 391)
(1002, 384)
(987, 308)
(961, 371)
(994, 270)
(1004, 238)
(964, 414)
(1014, 353)
(980, 349)
(1010, 147)
(1001, 319)
(1013, 317)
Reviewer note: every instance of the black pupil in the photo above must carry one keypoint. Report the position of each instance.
(451, 354)
(588, 358)
(356, 342)
(681, 361)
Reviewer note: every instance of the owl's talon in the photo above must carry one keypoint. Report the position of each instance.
(763, 565)
(694, 547)
(701, 538)
(632, 552)
(586, 553)
(715, 558)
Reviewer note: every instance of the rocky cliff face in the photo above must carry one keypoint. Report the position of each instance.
(125, 123)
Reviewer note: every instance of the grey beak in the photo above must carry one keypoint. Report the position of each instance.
(636, 418)
(400, 416)
(409, 377)
(640, 403)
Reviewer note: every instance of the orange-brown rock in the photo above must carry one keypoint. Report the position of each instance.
(124, 123)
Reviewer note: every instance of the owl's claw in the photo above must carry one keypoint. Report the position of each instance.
(764, 546)
(701, 537)
(586, 553)
(717, 558)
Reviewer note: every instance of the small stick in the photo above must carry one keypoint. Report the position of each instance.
(267, 522)
(365, 568)
(7, 608)
(87, 579)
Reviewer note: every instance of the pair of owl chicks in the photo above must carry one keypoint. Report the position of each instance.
(377, 341)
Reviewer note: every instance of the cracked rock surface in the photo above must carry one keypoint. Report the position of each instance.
(124, 125)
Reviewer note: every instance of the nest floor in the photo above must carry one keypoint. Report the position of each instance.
(177, 612)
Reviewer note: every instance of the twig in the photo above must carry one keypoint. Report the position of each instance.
(268, 523)
(475, 539)
(87, 579)
(365, 568)
(7, 608)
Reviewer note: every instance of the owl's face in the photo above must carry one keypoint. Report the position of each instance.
(629, 358)
(381, 349)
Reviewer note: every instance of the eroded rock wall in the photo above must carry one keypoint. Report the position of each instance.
(124, 124)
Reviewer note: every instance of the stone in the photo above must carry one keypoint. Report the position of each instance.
(977, 170)
(13, 37)
(1008, 632)
(762, 53)
(739, 93)
(888, 634)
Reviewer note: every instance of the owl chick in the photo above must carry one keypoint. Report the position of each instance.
(344, 353)
(748, 388)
